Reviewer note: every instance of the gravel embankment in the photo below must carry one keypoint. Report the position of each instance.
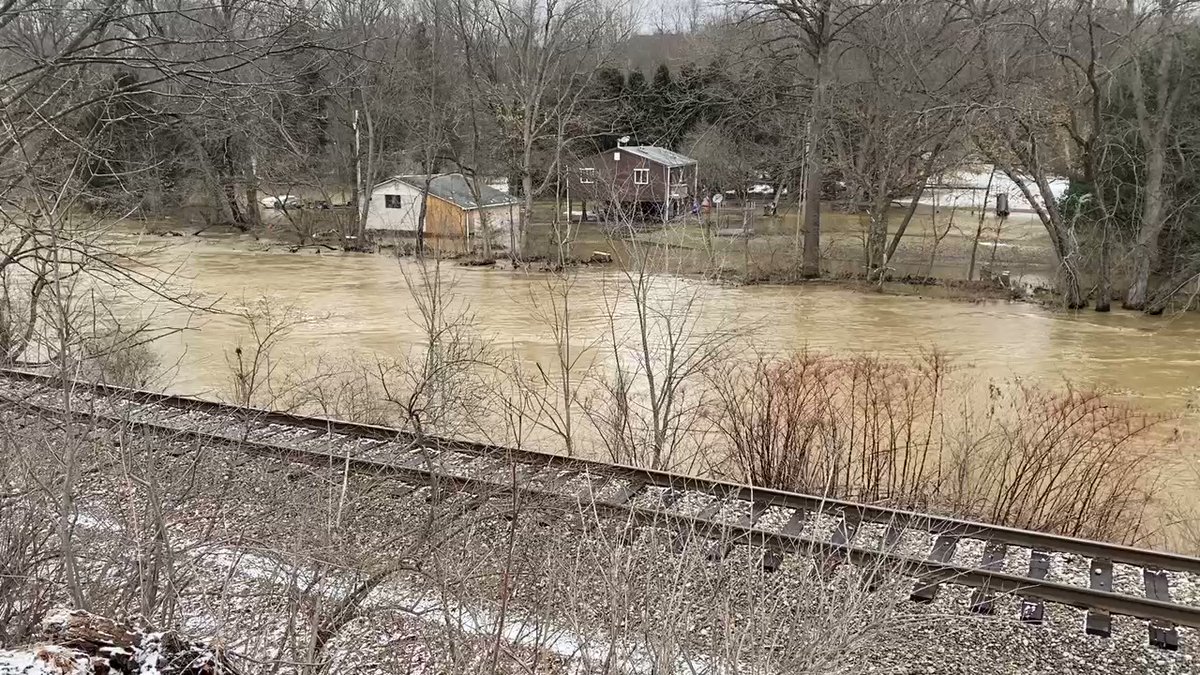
(255, 534)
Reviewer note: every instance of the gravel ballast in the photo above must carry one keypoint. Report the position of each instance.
(662, 592)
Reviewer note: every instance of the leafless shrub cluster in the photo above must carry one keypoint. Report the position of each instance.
(911, 433)
(647, 410)
(27, 536)
(313, 569)
(439, 386)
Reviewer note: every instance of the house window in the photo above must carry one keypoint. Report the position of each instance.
(587, 175)
(391, 201)
(641, 176)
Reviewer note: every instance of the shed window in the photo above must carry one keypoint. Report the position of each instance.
(587, 175)
(391, 201)
(641, 176)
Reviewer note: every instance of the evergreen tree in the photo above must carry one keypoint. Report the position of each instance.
(637, 92)
(661, 123)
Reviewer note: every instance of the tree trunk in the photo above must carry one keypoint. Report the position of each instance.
(220, 201)
(775, 198)
(979, 226)
(1066, 246)
(422, 214)
(908, 216)
(1072, 287)
(1104, 281)
(1153, 137)
(526, 212)
(877, 235)
(368, 176)
(250, 191)
(1145, 250)
(912, 205)
(811, 265)
(252, 215)
(1169, 289)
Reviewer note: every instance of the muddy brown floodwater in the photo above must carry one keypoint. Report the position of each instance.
(361, 305)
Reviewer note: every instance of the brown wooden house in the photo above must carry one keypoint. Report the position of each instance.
(640, 181)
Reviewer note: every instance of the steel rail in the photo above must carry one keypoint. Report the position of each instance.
(1117, 553)
(927, 571)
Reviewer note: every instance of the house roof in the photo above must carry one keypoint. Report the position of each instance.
(659, 155)
(454, 188)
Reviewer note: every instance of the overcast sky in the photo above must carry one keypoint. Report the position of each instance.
(668, 15)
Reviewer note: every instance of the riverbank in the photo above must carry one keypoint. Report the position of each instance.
(762, 260)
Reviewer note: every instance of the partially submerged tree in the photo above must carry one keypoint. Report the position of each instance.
(814, 29)
(891, 130)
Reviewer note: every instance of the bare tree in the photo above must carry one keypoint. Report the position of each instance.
(532, 62)
(659, 340)
(890, 131)
(1158, 27)
(819, 26)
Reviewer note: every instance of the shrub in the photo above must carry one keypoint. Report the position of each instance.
(910, 433)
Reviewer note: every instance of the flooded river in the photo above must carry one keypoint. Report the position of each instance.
(361, 305)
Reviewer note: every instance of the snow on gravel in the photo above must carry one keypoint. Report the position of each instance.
(359, 448)
(774, 518)
(650, 498)
(915, 543)
(821, 527)
(545, 478)
(422, 458)
(281, 435)
(692, 503)
(268, 431)
(732, 511)
(578, 484)
(1017, 560)
(611, 489)
(199, 421)
(327, 442)
(870, 536)
(387, 452)
(454, 464)
(1069, 568)
(968, 552)
(1128, 580)
(1184, 587)
(477, 468)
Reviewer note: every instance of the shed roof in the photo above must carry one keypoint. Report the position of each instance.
(454, 188)
(659, 155)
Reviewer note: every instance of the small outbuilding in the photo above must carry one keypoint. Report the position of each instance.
(643, 180)
(458, 212)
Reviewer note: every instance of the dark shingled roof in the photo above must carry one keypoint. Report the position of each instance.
(453, 187)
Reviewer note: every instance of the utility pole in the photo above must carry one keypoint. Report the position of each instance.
(979, 229)
(358, 188)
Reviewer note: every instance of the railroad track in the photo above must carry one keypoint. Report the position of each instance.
(1107, 579)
